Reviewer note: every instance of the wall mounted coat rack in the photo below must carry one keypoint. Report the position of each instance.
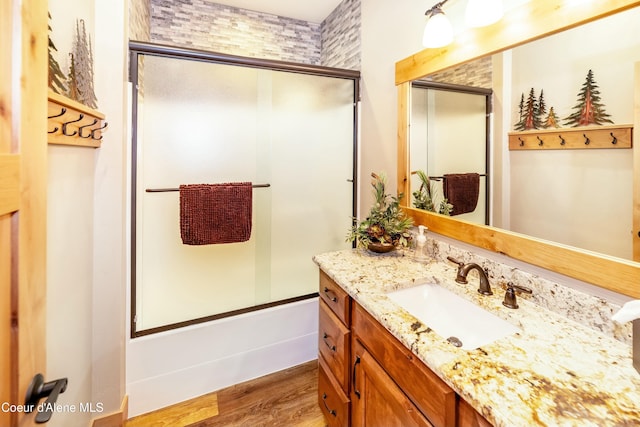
(71, 123)
(609, 136)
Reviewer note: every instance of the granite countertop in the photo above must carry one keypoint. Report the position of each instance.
(555, 372)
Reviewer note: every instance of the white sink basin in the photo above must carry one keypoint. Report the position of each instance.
(452, 317)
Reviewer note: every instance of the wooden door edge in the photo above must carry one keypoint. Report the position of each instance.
(115, 419)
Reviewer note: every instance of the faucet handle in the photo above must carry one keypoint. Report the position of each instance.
(455, 261)
(460, 276)
(510, 295)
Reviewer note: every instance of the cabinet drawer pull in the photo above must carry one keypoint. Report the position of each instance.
(329, 294)
(324, 400)
(355, 364)
(324, 338)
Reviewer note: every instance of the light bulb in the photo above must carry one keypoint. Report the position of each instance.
(481, 13)
(438, 31)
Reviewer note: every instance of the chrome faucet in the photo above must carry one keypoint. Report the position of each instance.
(464, 269)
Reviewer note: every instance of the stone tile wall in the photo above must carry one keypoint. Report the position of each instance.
(203, 24)
(477, 73)
(341, 36)
(206, 25)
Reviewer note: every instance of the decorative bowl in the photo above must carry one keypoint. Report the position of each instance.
(381, 247)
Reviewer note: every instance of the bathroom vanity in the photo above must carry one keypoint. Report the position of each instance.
(381, 365)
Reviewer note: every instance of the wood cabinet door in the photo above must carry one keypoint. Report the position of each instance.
(376, 400)
(23, 173)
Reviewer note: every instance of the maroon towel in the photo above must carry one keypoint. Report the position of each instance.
(461, 190)
(215, 213)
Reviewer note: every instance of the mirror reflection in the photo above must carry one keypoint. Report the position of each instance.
(578, 197)
(450, 137)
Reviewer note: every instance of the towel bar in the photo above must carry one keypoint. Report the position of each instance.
(166, 190)
(437, 178)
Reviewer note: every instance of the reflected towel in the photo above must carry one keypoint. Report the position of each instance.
(461, 190)
(215, 213)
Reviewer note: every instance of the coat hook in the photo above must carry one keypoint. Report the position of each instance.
(587, 141)
(562, 141)
(55, 129)
(541, 143)
(521, 142)
(82, 127)
(614, 140)
(64, 126)
(62, 111)
(94, 130)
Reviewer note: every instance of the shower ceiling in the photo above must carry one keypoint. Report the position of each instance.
(312, 11)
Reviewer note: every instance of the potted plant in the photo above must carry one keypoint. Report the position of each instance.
(423, 196)
(386, 227)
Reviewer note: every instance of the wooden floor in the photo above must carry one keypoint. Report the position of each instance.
(286, 398)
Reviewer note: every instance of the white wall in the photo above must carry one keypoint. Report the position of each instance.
(85, 222)
(109, 253)
(69, 276)
(390, 31)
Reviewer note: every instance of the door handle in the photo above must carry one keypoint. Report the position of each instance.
(37, 390)
(355, 365)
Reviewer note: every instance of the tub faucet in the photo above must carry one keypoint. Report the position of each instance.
(464, 269)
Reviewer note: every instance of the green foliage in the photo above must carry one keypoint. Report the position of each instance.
(386, 222)
(423, 196)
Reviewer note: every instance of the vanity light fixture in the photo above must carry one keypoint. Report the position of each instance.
(438, 31)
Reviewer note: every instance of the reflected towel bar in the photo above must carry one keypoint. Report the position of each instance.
(437, 178)
(166, 190)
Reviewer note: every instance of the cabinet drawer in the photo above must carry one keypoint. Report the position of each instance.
(335, 297)
(333, 345)
(332, 400)
(435, 399)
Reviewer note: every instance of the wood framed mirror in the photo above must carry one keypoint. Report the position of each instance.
(520, 25)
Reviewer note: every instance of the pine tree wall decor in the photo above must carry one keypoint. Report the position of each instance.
(56, 77)
(83, 67)
(552, 120)
(75, 120)
(74, 90)
(533, 113)
(539, 129)
(78, 83)
(520, 124)
(589, 109)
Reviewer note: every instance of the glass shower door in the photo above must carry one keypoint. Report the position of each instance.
(200, 122)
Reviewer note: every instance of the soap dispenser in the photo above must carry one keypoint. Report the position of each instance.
(421, 242)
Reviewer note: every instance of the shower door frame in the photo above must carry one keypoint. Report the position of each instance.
(137, 48)
(488, 95)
